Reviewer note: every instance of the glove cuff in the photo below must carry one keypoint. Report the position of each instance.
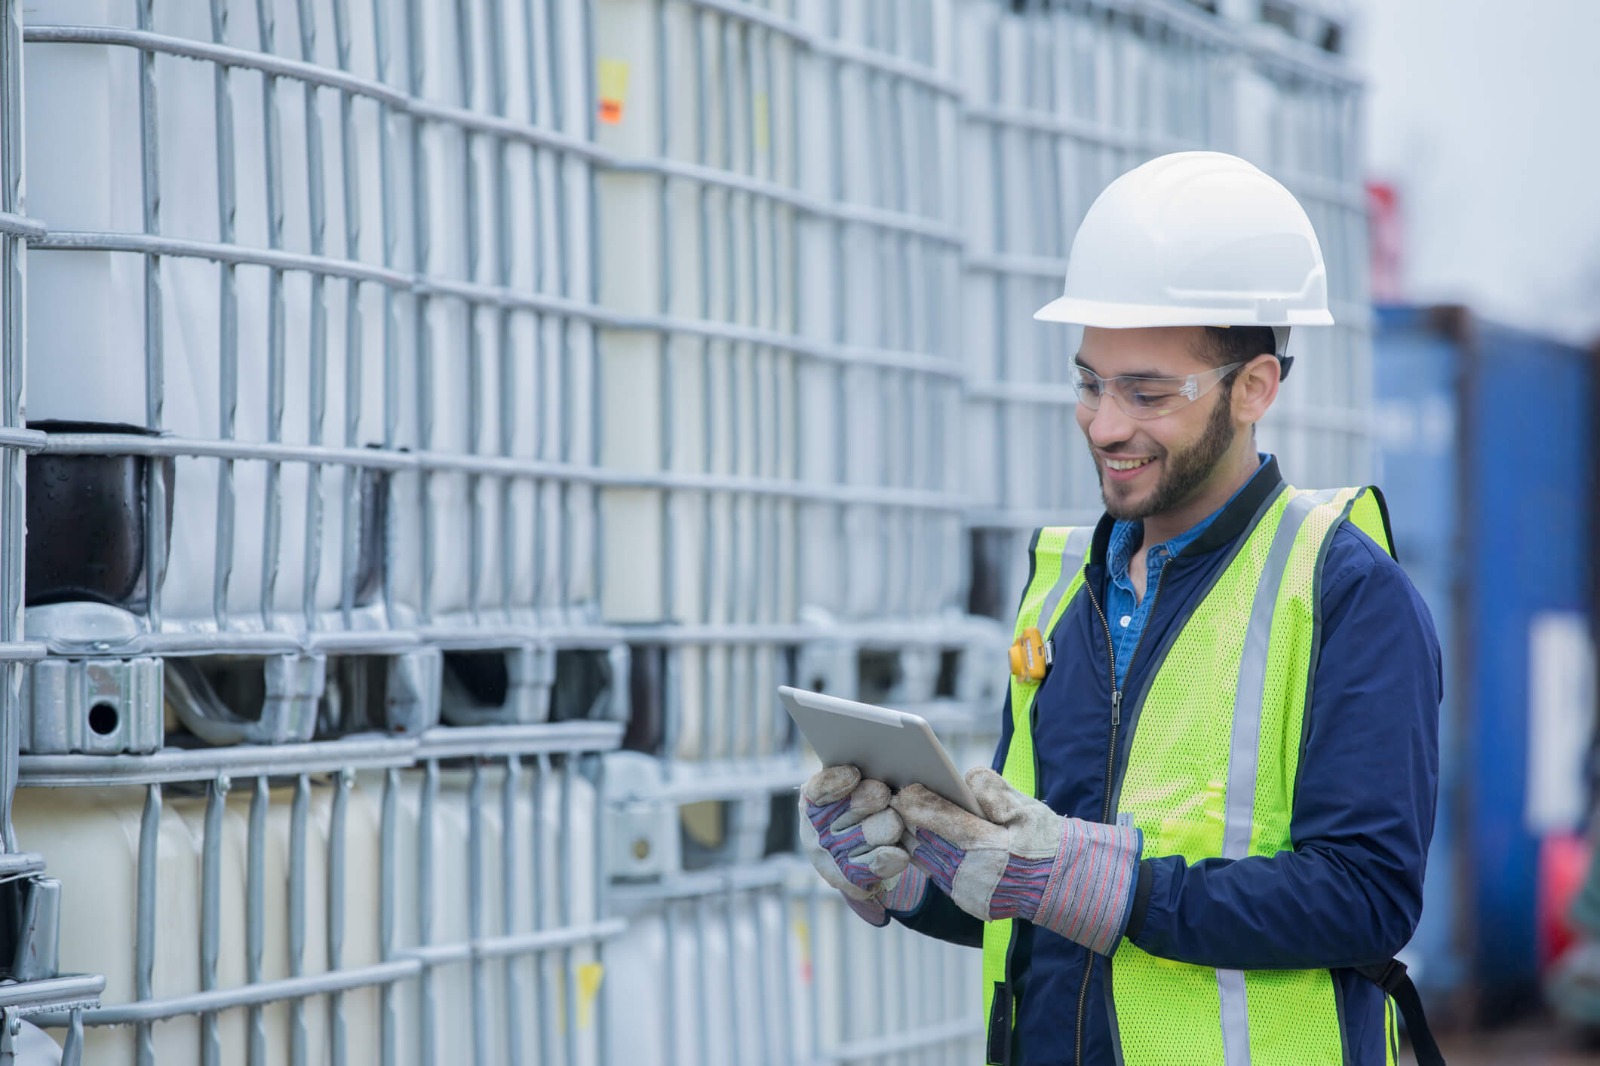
(903, 897)
(868, 910)
(906, 893)
(1092, 883)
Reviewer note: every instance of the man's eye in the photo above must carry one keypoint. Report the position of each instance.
(1089, 384)
(1151, 397)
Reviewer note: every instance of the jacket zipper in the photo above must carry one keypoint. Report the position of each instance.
(1111, 766)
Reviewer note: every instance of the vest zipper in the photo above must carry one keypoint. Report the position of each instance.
(1111, 767)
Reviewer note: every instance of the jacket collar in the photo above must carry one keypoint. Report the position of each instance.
(1240, 514)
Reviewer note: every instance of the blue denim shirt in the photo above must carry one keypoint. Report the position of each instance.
(1125, 613)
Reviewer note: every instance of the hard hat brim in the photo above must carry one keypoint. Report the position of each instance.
(1104, 315)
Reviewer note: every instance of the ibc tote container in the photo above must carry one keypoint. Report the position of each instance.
(372, 437)
(804, 978)
(777, 237)
(342, 255)
(1487, 439)
(697, 400)
(441, 911)
(221, 339)
(1063, 98)
(782, 387)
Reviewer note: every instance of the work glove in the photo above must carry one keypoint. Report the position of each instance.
(854, 839)
(1022, 860)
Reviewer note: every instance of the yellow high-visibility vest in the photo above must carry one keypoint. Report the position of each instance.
(1210, 774)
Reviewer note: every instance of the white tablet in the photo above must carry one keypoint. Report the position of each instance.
(895, 747)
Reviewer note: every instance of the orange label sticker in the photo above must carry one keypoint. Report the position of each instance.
(613, 85)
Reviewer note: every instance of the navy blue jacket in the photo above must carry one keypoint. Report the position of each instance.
(1348, 894)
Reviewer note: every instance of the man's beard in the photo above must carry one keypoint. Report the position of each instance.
(1184, 472)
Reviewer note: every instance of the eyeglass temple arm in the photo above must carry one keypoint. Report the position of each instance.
(1280, 337)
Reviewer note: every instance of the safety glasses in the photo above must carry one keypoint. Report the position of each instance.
(1146, 397)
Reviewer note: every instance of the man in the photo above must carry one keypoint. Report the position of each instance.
(1214, 790)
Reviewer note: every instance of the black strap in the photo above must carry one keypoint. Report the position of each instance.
(998, 1049)
(1391, 976)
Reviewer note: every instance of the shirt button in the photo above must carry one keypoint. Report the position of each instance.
(1126, 619)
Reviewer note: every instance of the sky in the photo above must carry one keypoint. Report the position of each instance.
(1485, 116)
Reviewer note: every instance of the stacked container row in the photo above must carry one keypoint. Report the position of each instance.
(427, 402)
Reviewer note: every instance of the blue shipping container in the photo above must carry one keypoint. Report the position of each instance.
(1486, 438)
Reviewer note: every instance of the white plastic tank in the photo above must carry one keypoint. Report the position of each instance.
(543, 980)
(709, 90)
(490, 381)
(90, 840)
(92, 368)
(864, 985)
(723, 701)
(682, 402)
(714, 91)
(714, 981)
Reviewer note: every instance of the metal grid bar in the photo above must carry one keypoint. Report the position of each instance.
(228, 349)
(155, 516)
(57, 992)
(64, 993)
(14, 228)
(338, 847)
(335, 756)
(15, 225)
(429, 462)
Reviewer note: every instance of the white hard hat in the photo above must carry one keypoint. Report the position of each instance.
(1194, 239)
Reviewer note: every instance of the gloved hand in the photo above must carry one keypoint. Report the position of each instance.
(1022, 860)
(854, 839)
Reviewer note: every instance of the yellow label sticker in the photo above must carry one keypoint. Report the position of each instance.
(590, 977)
(613, 84)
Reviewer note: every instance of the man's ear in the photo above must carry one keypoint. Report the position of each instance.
(1255, 386)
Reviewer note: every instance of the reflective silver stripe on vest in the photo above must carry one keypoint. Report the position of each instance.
(1073, 550)
(1244, 752)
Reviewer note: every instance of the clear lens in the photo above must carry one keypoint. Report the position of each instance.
(1145, 397)
(1155, 396)
(1087, 385)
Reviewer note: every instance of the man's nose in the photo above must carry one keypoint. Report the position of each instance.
(1109, 424)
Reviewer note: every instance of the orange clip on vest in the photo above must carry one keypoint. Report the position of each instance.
(1029, 656)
